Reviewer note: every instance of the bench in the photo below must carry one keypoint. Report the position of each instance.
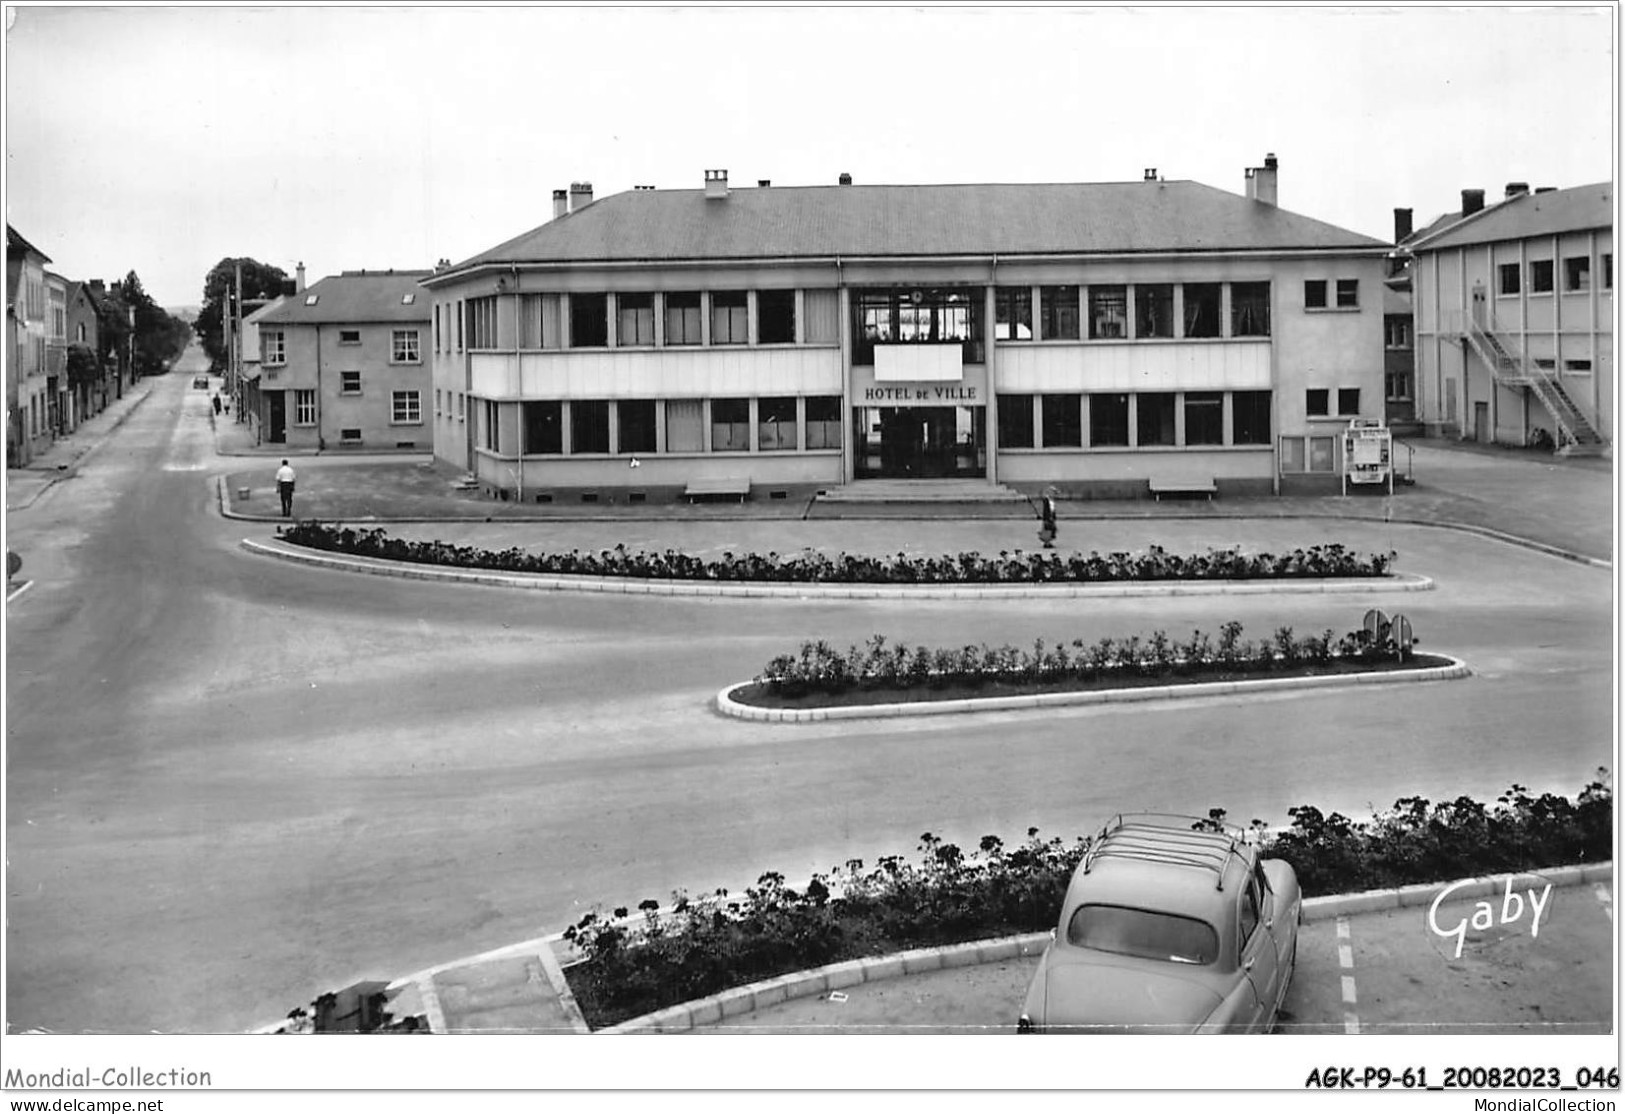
(1184, 486)
(722, 487)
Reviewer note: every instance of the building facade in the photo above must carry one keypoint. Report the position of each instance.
(28, 398)
(1097, 338)
(1514, 319)
(343, 364)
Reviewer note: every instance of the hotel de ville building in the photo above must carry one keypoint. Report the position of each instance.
(1102, 339)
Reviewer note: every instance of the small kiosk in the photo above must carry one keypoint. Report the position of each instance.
(1368, 452)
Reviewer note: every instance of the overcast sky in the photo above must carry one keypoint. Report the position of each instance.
(161, 140)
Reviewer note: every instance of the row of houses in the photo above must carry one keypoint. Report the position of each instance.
(1101, 339)
(59, 371)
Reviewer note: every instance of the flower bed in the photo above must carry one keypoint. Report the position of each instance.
(877, 672)
(700, 946)
(809, 567)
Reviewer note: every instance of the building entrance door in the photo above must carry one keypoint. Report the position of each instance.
(276, 417)
(920, 442)
(1481, 423)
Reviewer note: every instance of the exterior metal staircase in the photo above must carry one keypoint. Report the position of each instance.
(1576, 433)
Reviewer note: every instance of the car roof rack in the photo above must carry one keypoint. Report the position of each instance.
(1163, 837)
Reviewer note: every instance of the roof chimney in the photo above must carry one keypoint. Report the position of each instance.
(845, 179)
(1261, 181)
(1471, 202)
(763, 183)
(1516, 189)
(299, 277)
(1402, 225)
(1150, 174)
(561, 203)
(580, 195)
(716, 183)
(1544, 189)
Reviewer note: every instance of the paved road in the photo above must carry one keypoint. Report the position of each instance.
(234, 783)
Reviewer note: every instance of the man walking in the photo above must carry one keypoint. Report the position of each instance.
(284, 487)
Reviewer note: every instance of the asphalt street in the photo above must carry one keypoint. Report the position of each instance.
(235, 783)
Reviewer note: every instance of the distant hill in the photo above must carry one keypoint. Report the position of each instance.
(185, 313)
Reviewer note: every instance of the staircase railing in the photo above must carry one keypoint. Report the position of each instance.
(1511, 366)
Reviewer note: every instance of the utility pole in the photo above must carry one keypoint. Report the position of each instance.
(237, 346)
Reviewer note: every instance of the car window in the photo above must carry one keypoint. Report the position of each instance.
(1249, 910)
(1143, 933)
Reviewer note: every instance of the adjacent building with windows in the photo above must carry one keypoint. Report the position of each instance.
(342, 364)
(1514, 319)
(28, 394)
(1094, 337)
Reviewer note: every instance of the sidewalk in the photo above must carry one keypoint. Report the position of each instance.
(26, 484)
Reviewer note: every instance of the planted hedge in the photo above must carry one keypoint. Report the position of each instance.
(809, 567)
(882, 666)
(700, 946)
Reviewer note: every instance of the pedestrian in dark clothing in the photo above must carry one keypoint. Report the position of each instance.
(1046, 531)
(284, 487)
(217, 404)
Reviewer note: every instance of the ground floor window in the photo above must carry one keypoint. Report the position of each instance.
(685, 425)
(824, 422)
(1250, 418)
(635, 418)
(775, 424)
(1063, 421)
(492, 426)
(543, 426)
(1204, 417)
(1108, 419)
(1308, 454)
(1015, 421)
(304, 407)
(730, 425)
(589, 426)
(1155, 419)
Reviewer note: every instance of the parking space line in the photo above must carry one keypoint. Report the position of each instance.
(1606, 898)
(1345, 959)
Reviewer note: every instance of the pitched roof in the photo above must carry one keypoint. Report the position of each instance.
(1530, 214)
(355, 297)
(15, 242)
(911, 221)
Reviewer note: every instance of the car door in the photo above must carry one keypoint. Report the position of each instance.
(1260, 965)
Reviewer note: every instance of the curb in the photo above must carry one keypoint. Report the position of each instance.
(636, 587)
(727, 706)
(819, 980)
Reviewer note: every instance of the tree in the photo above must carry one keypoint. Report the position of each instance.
(159, 338)
(260, 280)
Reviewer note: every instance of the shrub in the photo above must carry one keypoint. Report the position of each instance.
(810, 567)
(700, 946)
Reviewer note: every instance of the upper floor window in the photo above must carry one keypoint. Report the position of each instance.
(1108, 312)
(775, 316)
(403, 346)
(482, 322)
(1201, 309)
(589, 321)
(1348, 293)
(1154, 310)
(1397, 331)
(349, 382)
(406, 406)
(1249, 309)
(1577, 273)
(1058, 307)
(1013, 313)
(1540, 276)
(273, 347)
(729, 317)
(349, 336)
(683, 318)
(1314, 293)
(1316, 401)
(1348, 400)
(1511, 278)
(1607, 270)
(634, 320)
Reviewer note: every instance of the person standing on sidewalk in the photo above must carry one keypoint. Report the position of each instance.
(1046, 514)
(284, 488)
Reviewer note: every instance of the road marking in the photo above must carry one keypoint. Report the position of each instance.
(1606, 898)
(21, 587)
(1345, 959)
